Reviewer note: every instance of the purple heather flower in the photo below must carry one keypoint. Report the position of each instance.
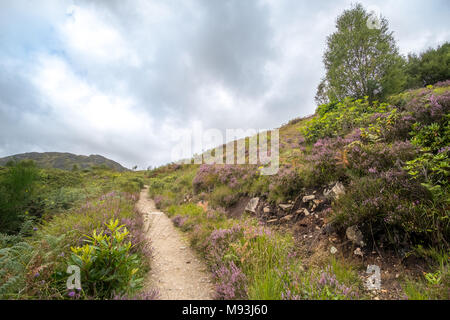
(71, 294)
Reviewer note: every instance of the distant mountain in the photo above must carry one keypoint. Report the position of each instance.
(64, 160)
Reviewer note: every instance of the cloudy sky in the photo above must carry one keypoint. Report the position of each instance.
(124, 78)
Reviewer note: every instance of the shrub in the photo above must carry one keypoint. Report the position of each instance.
(16, 194)
(327, 160)
(284, 185)
(107, 266)
(338, 119)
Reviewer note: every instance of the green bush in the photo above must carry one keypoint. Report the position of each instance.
(107, 266)
(338, 119)
(16, 194)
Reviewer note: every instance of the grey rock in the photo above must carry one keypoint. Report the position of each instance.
(328, 228)
(252, 205)
(335, 192)
(355, 235)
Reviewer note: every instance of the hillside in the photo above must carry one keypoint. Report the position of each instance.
(360, 183)
(64, 160)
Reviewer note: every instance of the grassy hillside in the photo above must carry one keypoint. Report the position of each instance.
(64, 160)
(51, 219)
(359, 183)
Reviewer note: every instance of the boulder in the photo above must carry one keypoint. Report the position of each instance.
(252, 205)
(355, 235)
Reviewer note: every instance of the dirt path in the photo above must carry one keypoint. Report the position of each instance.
(176, 271)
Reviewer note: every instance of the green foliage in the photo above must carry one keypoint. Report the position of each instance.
(429, 67)
(16, 191)
(360, 61)
(13, 262)
(338, 119)
(107, 266)
(432, 166)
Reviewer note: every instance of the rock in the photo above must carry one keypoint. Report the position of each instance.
(286, 218)
(285, 207)
(354, 235)
(299, 211)
(335, 192)
(329, 228)
(306, 212)
(333, 250)
(266, 209)
(309, 198)
(252, 204)
(272, 220)
(338, 190)
(358, 252)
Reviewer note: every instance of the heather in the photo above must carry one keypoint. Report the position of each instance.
(247, 259)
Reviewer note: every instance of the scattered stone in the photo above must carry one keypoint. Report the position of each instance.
(272, 220)
(285, 207)
(252, 205)
(317, 202)
(309, 198)
(287, 218)
(306, 212)
(299, 211)
(358, 252)
(354, 234)
(266, 210)
(333, 250)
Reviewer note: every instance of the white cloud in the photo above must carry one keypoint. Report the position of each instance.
(85, 32)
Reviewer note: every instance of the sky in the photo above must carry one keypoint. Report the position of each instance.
(125, 79)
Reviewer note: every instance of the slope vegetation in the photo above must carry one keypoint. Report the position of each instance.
(359, 183)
